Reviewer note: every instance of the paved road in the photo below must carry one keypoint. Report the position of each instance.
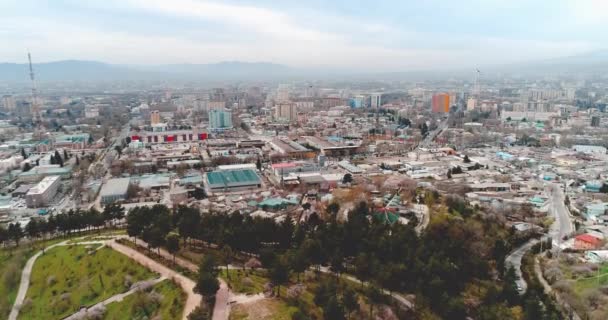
(83, 313)
(514, 260)
(562, 226)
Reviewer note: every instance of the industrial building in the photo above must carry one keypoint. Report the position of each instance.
(231, 180)
(41, 194)
(114, 190)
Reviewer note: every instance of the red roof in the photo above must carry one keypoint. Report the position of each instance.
(588, 238)
(283, 165)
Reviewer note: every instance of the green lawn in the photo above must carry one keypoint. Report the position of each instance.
(68, 277)
(597, 280)
(11, 264)
(164, 301)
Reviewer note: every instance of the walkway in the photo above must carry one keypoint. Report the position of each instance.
(221, 309)
(193, 300)
(139, 286)
(25, 281)
(398, 297)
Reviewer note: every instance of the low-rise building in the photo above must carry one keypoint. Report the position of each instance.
(230, 180)
(41, 194)
(114, 190)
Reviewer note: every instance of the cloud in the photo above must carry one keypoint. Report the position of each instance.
(212, 31)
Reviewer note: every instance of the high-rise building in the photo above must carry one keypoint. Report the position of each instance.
(9, 103)
(471, 104)
(220, 119)
(282, 95)
(154, 117)
(356, 102)
(376, 100)
(286, 112)
(441, 103)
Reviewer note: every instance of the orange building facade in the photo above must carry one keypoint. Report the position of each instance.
(440, 103)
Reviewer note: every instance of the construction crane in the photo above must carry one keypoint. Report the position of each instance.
(36, 117)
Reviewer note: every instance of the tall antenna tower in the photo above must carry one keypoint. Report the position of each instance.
(36, 117)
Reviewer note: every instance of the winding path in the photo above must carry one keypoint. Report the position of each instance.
(398, 297)
(193, 300)
(25, 281)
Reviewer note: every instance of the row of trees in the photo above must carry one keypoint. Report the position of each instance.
(62, 224)
(458, 247)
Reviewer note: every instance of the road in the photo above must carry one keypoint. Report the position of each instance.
(562, 226)
(514, 260)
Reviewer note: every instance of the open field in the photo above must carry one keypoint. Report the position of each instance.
(68, 277)
(164, 301)
(12, 261)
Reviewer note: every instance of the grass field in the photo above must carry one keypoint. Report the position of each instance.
(164, 301)
(598, 279)
(11, 264)
(68, 277)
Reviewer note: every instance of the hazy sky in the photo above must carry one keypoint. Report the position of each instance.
(367, 35)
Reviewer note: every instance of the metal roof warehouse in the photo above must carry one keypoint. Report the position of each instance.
(231, 179)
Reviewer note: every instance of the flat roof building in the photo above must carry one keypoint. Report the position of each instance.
(229, 180)
(114, 190)
(42, 193)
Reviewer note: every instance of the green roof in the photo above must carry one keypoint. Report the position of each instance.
(229, 177)
(277, 202)
(389, 217)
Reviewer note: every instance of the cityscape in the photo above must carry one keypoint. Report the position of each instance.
(301, 182)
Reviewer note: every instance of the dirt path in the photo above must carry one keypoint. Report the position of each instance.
(193, 300)
(221, 309)
(83, 313)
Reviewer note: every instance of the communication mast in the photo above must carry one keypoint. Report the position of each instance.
(36, 117)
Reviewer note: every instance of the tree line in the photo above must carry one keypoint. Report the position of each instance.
(62, 224)
(459, 247)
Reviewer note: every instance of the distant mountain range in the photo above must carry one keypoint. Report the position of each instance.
(80, 70)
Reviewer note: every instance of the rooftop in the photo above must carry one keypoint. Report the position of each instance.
(115, 187)
(43, 185)
(227, 177)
